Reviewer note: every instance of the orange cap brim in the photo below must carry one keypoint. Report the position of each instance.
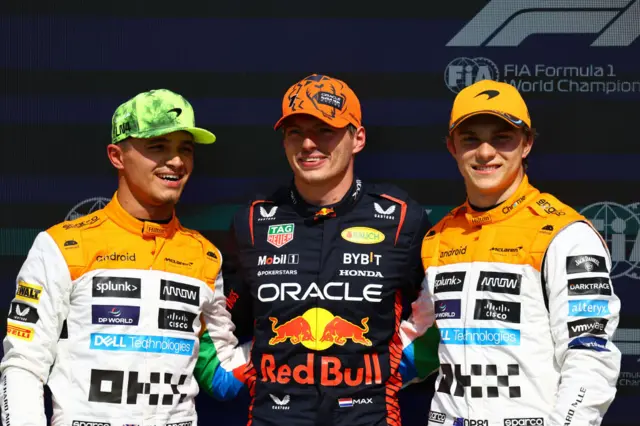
(337, 122)
(518, 125)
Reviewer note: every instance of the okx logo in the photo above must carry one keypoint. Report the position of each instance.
(120, 387)
(507, 23)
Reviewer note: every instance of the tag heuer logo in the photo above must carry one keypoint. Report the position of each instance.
(279, 235)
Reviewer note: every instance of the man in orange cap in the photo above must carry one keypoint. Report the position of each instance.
(520, 281)
(321, 272)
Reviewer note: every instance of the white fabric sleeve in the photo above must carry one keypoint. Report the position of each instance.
(584, 314)
(36, 317)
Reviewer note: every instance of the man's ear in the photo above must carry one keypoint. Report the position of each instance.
(115, 153)
(451, 146)
(359, 140)
(527, 145)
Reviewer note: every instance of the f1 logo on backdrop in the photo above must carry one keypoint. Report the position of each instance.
(507, 23)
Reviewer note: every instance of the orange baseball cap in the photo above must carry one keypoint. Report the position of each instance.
(323, 97)
(490, 97)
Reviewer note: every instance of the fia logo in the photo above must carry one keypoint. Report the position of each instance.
(384, 213)
(267, 214)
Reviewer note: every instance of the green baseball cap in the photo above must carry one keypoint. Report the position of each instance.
(156, 113)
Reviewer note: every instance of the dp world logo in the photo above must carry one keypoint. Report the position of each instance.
(463, 72)
(620, 227)
(87, 206)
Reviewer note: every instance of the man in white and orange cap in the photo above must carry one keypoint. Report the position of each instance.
(520, 282)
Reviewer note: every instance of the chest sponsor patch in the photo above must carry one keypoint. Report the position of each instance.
(447, 309)
(586, 263)
(279, 235)
(499, 282)
(589, 285)
(179, 292)
(499, 310)
(173, 319)
(594, 326)
(125, 287)
(115, 314)
(449, 281)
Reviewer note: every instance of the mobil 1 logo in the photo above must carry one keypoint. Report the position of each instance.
(499, 282)
(179, 292)
(116, 287)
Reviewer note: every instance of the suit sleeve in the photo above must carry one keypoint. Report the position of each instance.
(221, 362)
(239, 301)
(34, 324)
(419, 335)
(584, 313)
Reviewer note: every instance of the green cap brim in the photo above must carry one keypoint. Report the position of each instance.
(202, 136)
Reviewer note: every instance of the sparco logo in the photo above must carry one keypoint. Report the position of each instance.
(499, 282)
(178, 292)
(586, 263)
(591, 285)
(509, 23)
(529, 421)
(116, 287)
(449, 281)
(279, 259)
(437, 417)
(453, 252)
(180, 424)
(86, 423)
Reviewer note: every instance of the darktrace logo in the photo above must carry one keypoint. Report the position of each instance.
(449, 281)
(586, 263)
(116, 287)
(589, 285)
(453, 252)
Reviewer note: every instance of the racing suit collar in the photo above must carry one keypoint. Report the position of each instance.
(145, 229)
(523, 195)
(343, 206)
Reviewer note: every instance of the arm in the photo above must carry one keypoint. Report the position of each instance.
(583, 319)
(34, 325)
(221, 362)
(419, 335)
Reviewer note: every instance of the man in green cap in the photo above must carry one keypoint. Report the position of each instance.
(122, 312)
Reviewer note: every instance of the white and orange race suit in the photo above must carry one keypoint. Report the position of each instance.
(522, 297)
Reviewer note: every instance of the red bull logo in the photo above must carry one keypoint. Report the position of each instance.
(318, 329)
(324, 213)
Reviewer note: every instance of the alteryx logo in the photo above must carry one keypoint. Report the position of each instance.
(139, 343)
(480, 336)
(588, 308)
